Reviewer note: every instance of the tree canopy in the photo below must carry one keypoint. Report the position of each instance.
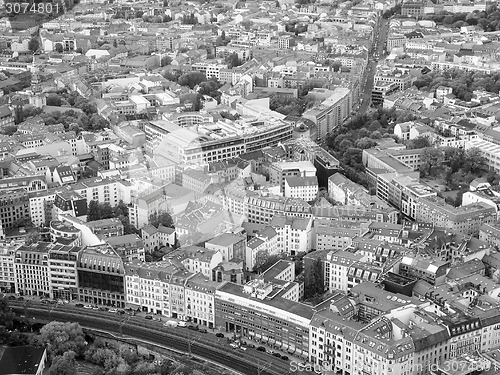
(463, 83)
(161, 218)
(63, 337)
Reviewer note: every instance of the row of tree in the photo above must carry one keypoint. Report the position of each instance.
(463, 83)
(348, 141)
(488, 20)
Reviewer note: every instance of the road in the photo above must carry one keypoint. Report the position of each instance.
(378, 49)
(203, 345)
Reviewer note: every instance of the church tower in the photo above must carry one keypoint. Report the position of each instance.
(37, 97)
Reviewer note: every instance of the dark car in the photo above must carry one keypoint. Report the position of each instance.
(121, 312)
(261, 349)
(20, 299)
(277, 355)
(203, 330)
(11, 298)
(221, 335)
(148, 317)
(193, 327)
(79, 305)
(45, 302)
(103, 309)
(284, 357)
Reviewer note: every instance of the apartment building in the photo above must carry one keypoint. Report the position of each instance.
(155, 238)
(465, 220)
(294, 234)
(40, 206)
(305, 188)
(67, 202)
(420, 267)
(264, 241)
(336, 267)
(262, 208)
(200, 300)
(62, 262)
(231, 246)
(101, 276)
(280, 171)
(337, 235)
(14, 207)
(245, 311)
(31, 269)
(7, 266)
(332, 112)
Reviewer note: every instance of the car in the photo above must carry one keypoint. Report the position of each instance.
(11, 298)
(233, 345)
(277, 355)
(203, 330)
(60, 302)
(20, 299)
(113, 311)
(181, 324)
(79, 305)
(220, 335)
(261, 349)
(193, 327)
(45, 302)
(243, 348)
(148, 317)
(284, 357)
(88, 307)
(103, 308)
(121, 312)
(95, 307)
(170, 323)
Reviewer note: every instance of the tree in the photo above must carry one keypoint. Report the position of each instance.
(232, 60)
(59, 48)
(64, 364)
(9, 130)
(419, 142)
(6, 314)
(314, 282)
(191, 79)
(166, 60)
(161, 218)
(93, 211)
(474, 160)
(33, 44)
(264, 260)
(63, 337)
(54, 99)
(431, 158)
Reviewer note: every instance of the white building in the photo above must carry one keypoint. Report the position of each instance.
(294, 234)
(305, 188)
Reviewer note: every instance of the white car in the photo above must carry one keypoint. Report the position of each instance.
(170, 323)
(87, 306)
(113, 310)
(182, 324)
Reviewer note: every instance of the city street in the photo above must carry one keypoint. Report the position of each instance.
(205, 345)
(374, 55)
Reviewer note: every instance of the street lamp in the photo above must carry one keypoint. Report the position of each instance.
(52, 309)
(190, 341)
(122, 323)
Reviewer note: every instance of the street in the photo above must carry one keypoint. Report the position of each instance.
(374, 55)
(203, 345)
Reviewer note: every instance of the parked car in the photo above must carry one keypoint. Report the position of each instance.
(170, 323)
(11, 298)
(220, 335)
(284, 357)
(181, 324)
(103, 308)
(243, 348)
(113, 310)
(121, 312)
(95, 307)
(45, 302)
(277, 355)
(148, 317)
(20, 299)
(87, 307)
(79, 305)
(233, 345)
(261, 349)
(193, 327)
(203, 330)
